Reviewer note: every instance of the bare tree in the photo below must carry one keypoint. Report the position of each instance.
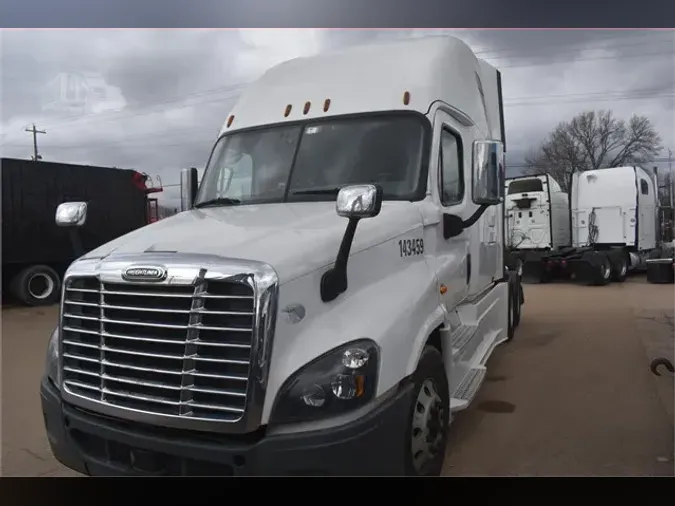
(594, 140)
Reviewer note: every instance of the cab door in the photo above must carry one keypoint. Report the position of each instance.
(450, 165)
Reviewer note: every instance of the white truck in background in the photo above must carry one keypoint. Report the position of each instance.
(607, 226)
(537, 214)
(330, 312)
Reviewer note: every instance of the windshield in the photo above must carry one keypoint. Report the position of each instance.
(525, 186)
(311, 161)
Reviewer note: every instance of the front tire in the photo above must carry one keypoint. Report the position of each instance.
(427, 432)
(37, 285)
(513, 303)
(517, 302)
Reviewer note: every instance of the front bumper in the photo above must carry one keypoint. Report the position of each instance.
(99, 446)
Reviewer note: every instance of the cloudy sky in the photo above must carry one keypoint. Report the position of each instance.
(164, 94)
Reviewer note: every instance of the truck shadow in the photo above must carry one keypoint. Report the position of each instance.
(496, 407)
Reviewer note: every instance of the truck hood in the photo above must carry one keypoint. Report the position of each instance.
(294, 238)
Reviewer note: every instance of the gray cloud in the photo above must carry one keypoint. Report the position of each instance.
(167, 92)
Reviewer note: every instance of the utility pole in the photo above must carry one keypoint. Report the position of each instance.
(35, 131)
(670, 178)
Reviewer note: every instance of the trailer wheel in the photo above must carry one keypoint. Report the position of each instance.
(37, 285)
(427, 432)
(620, 267)
(602, 269)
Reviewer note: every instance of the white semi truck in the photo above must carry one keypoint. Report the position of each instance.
(607, 226)
(537, 214)
(329, 312)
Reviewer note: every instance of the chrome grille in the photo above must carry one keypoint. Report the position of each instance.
(173, 350)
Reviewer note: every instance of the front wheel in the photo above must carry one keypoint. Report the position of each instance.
(517, 302)
(429, 417)
(511, 307)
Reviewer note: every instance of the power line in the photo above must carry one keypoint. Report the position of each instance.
(148, 105)
(598, 99)
(516, 102)
(140, 141)
(590, 94)
(595, 58)
(575, 48)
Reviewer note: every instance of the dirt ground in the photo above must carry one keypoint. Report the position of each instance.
(572, 394)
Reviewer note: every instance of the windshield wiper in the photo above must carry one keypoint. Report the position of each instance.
(323, 191)
(221, 201)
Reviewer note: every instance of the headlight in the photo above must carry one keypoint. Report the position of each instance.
(341, 380)
(52, 361)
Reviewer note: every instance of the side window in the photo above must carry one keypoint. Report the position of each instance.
(644, 187)
(452, 177)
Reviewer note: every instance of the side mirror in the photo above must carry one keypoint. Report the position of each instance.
(452, 226)
(359, 201)
(71, 214)
(353, 202)
(188, 188)
(488, 172)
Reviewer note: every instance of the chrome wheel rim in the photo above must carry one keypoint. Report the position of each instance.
(606, 270)
(427, 426)
(40, 286)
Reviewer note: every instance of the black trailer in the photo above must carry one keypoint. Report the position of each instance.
(36, 252)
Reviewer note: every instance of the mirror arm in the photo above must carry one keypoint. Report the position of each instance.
(76, 241)
(475, 216)
(334, 280)
(454, 225)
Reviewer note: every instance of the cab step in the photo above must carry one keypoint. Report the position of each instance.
(461, 338)
(467, 389)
